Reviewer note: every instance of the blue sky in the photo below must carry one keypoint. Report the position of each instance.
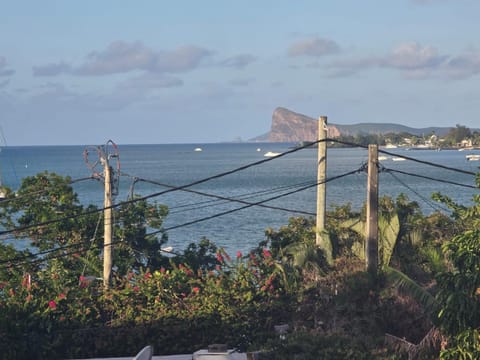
(83, 72)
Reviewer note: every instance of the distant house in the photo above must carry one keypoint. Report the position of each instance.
(466, 143)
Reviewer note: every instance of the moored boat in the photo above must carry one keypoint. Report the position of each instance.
(473, 157)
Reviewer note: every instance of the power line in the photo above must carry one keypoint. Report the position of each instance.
(44, 190)
(243, 196)
(228, 199)
(258, 202)
(142, 198)
(406, 157)
(435, 208)
(428, 178)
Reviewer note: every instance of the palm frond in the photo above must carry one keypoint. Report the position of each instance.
(408, 286)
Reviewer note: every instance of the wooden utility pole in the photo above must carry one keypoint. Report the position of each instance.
(371, 243)
(107, 220)
(321, 176)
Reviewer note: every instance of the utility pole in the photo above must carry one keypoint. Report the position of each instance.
(371, 243)
(321, 176)
(107, 222)
(111, 184)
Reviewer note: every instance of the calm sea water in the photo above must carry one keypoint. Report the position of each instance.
(179, 164)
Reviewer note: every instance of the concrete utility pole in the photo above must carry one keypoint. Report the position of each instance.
(107, 215)
(371, 243)
(321, 176)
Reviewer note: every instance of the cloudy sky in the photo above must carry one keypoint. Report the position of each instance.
(83, 72)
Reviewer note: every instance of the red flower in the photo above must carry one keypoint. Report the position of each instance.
(239, 254)
(61, 296)
(52, 304)
(220, 258)
(136, 288)
(196, 290)
(148, 275)
(266, 253)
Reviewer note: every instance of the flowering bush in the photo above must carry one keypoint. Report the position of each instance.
(176, 308)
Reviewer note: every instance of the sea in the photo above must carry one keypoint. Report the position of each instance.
(268, 190)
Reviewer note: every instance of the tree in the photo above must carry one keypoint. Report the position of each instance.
(457, 134)
(46, 212)
(459, 288)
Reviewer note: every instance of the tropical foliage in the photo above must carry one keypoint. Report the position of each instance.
(53, 304)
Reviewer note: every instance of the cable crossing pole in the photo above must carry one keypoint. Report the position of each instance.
(371, 236)
(322, 239)
(111, 180)
(107, 222)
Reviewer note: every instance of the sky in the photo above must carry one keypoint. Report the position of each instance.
(158, 71)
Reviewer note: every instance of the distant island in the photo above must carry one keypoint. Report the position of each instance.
(289, 126)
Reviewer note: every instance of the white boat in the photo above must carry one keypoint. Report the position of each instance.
(381, 158)
(398, 159)
(271, 154)
(473, 157)
(198, 149)
(391, 146)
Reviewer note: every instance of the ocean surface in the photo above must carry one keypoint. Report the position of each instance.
(289, 180)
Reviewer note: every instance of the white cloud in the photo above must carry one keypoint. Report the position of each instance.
(123, 57)
(51, 69)
(413, 61)
(463, 66)
(315, 47)
(412, 56)
(151, 81)
(182, 59)
(118, 57)
(238, 61)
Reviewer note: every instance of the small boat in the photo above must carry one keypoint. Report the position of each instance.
(271, 154)
(391, 146)
(398, 159)
(382, 157)
(198, 149)
(473, 157)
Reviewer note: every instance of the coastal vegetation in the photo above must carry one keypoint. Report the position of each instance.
(456, 138)
(423, 303)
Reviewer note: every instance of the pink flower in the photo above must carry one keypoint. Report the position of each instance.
(219, 257)
(136, 288)
(148, 275)
(52, 304)
(196, 289)
(239, 254)
(61, 296)
(267, 253)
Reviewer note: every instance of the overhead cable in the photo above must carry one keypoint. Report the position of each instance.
(258, 202)
(406, 157)
(142, 198)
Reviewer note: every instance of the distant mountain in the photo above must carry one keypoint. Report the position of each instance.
(289, 126)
